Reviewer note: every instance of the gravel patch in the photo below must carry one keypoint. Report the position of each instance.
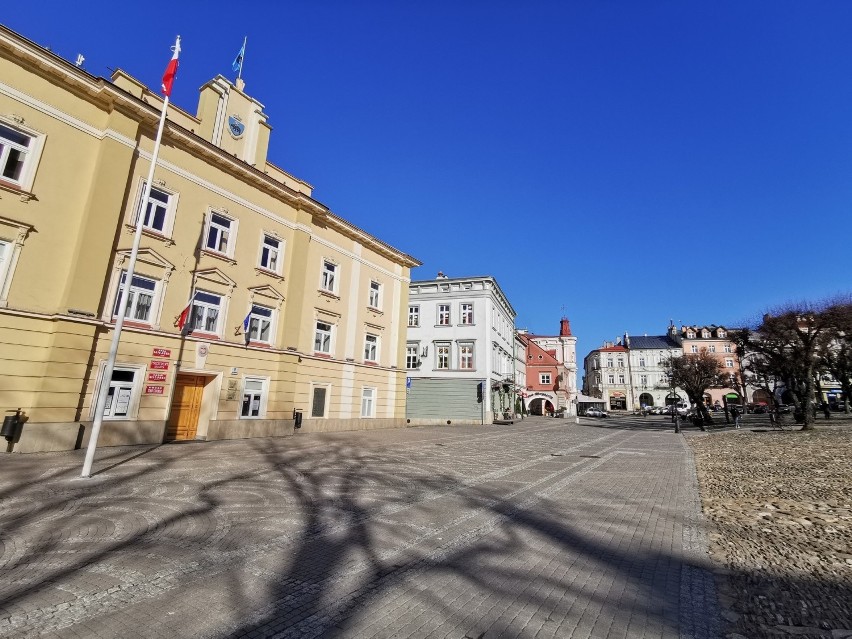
(780, 506)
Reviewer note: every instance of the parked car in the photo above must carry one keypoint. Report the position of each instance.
(596, 412)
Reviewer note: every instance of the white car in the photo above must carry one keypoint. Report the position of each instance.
(596, 412)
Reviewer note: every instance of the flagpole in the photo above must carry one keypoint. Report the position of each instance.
(242, 62)
(102, 391)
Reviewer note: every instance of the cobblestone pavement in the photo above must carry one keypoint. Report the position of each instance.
(543, 528)
(781, 505)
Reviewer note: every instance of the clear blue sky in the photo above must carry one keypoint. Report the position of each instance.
(634, 162)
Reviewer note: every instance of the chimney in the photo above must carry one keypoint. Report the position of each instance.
(564, 327)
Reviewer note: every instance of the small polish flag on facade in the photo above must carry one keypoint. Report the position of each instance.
(183, 318)
(171, 69)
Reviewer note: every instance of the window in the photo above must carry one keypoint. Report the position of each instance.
(621, 362)
(414, 316)
(411, 360)
(375, 295)
(467, 313)
(328, 281)
(442, 355)
(206, 308)
(17, 156)
(722, 333)
(544, 378)
(611, 379)
(371, 347)
(728, 348)
(690, 334)
(368, 402)
(122, 396)
(219, 233)
(270, 254)
(318, 401)
(466, 356)
(322, 338)
(705, 334)
(260, 324)
(641, 361)
(712, 348)
(443, 314)
(609, 362)
(729, 363)
(643, 380)
(157, 210)
(694, 348)
(253, 397)
(141, 296)
(621, 379)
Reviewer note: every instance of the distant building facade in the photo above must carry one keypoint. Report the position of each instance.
(563, 347)
(460, 351)
(716, 342)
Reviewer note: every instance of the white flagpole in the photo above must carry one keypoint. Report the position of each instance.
(242, 62)
(102, 391)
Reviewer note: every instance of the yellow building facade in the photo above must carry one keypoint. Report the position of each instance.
(290, 307)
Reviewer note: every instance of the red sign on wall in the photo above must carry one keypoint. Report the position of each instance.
(153, 390)
(156, 377)
(160, 366)
(162, 352)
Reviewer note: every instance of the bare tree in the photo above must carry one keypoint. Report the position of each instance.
(695, 373)
(835, 354)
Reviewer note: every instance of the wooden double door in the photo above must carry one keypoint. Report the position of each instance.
(186, 407)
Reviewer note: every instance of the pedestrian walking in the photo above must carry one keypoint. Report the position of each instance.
(736, 413)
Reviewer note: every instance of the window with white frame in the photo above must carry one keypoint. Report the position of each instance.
(694, 348)
(641, 361)
(18, 151)
(260, 324)
(621, 362)
(721, 333)
(467, 313)
(544, 378)
(123, 394)
(443, 314)
(375, 297)
(442, 356)
(466, 356)
(319, 401)
(728, 348)
(206, 310)
(328, 279)
(368, 402)
(140, 298)
(322, 337)
(611, 379)
(621, 379)
(643, 380)
(157, 210)
(729, 363)
(414, 315)
(219, 233)
(705, 334)
(254, 397)
(712, 348)
(609, 362)
(411, 358)
(270, 254)
(690, 334)
(371, 347)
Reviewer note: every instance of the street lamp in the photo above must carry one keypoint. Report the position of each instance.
(675, 416)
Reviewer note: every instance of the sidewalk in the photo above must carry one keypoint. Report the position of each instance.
(542, 528)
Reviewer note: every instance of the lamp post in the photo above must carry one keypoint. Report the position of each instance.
(675, 415)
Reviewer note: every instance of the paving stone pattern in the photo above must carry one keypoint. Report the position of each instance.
(543, 528)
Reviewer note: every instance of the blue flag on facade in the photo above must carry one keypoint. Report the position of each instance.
(238, 61)
(246, 323)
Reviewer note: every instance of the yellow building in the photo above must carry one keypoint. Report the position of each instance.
(225, 231)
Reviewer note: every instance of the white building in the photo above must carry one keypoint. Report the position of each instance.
(460, 351)
(564, 348)
(647, 373)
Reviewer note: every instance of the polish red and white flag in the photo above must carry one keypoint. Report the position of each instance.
(171, 69)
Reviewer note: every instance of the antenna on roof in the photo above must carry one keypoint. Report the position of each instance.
(80, 60)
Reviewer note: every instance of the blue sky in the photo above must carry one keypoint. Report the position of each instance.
(630, 162)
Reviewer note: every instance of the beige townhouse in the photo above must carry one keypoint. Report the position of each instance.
(291, 308)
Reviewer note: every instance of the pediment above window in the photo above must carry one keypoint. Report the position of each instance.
(214, 276)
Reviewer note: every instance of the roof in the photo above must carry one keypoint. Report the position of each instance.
(656, 342)
(612, 349)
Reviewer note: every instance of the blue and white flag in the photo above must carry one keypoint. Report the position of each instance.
(237, 65)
